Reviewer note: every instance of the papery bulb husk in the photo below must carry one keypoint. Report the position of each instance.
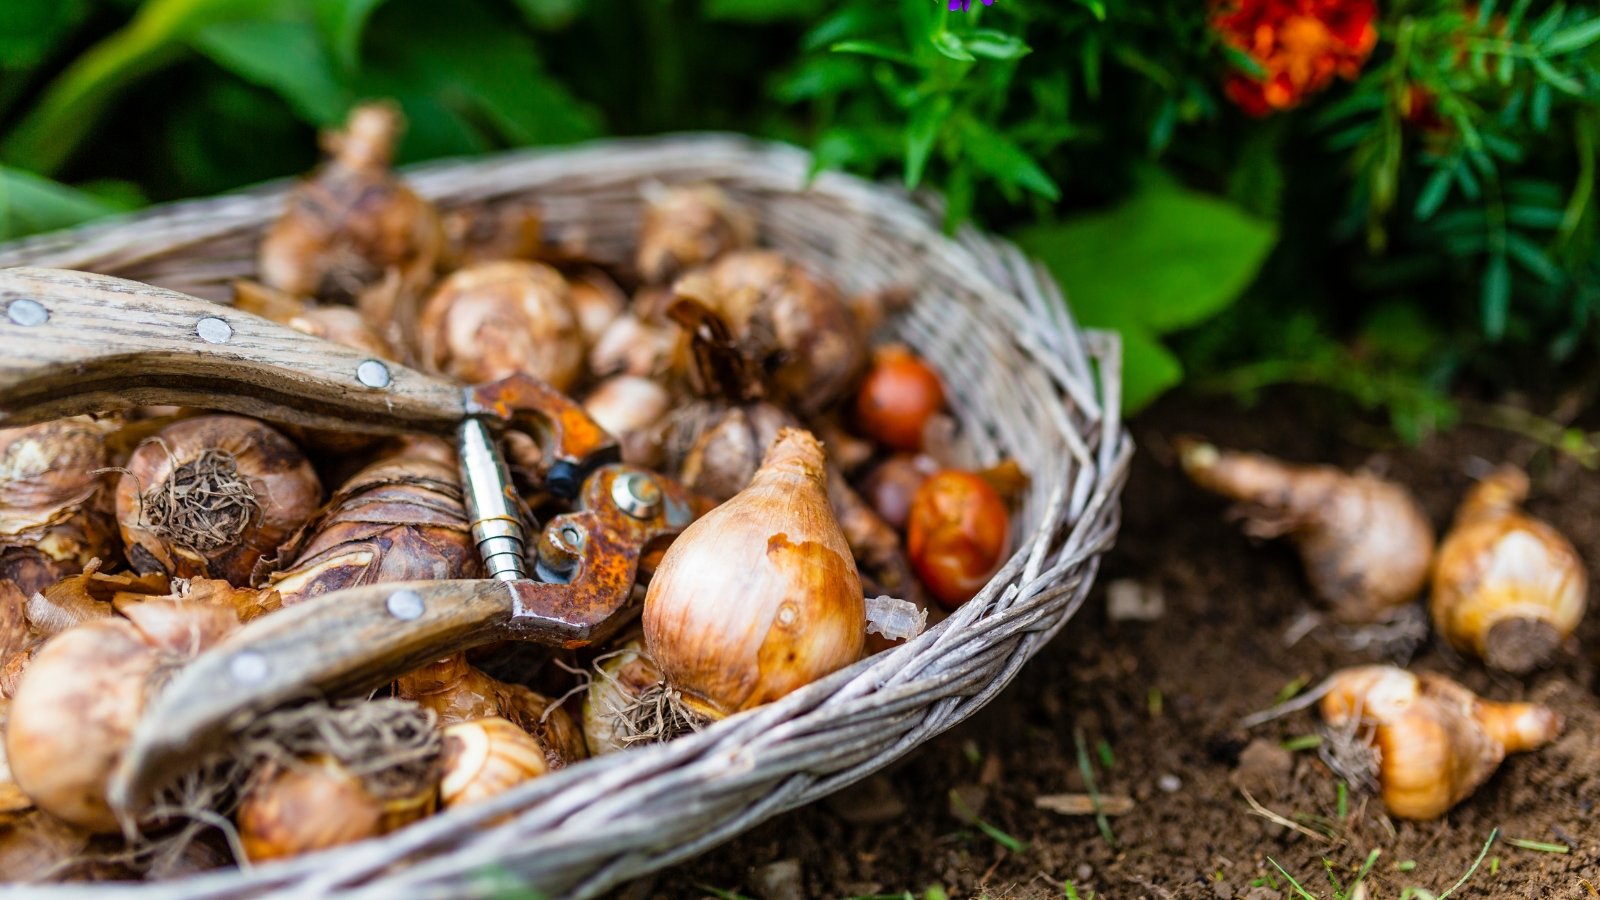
(457, 692)
(795, 322)
(1436, 742)
(325, 774)
(54, 514)
(597, 301)
(631, 408)
(353, 223)
(401, 518)
(210, 496)
(498, 319)
(1507, 588)
(689, 225)
(73, 715)
(620, 679)
(760, 596)
(1366, 543)
(486, 757)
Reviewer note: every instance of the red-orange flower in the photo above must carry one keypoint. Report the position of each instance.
(1300, 44)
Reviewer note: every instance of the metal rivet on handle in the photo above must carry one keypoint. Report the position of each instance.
(27, 313)
(213, 330)
(248, 667)
(373, 374)
(636, 494)
(405, 605)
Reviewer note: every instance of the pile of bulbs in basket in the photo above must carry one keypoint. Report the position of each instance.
(832, 494)
(1505, 588)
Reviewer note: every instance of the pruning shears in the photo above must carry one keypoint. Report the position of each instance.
(77, 343)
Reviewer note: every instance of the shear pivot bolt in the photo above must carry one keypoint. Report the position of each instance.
(405, 605)
(373, 374)
(636, 494)
(248, 668)
(213, 330)
(27, 313)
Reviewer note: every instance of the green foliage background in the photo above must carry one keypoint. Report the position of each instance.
(1342, 244)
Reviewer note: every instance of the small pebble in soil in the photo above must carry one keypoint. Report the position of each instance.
(1131, 600)
(1265, 769)
(1084, 871)
(1169, 783)
(781, 880)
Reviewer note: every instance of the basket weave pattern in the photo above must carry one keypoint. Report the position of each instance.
(1023, 379)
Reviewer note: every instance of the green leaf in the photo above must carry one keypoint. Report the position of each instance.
(1168, 258)
(1096, 8)
(991, 44)
(996, 156)
(30, 204)
(29, 29)
(286, 57)
(921, 132)
(72, 103)
(875, 49)
(948, 44)
(342, 23)
(1496, 297)
(467, 82)
(761, 11)
(552, 15)
(1575, 38)
(820, 76)
(1149, 369)
(1532, 258)
(1433, 194)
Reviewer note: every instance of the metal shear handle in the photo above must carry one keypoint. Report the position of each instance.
(77, 343)
(353, 640)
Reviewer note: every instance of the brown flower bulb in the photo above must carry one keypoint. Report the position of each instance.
(760, 596)
(486, 757)
(352, 224)
(54, 515)
(211, 496)
(1435, 742)
(399, 519)
(456, 692)
(689, 225)
(325, 776)
(1507, 587)
(497, 319)
(632, 409)
(620, 679)
(1365, 542)
(792, 322)
(77, 704)
(597, 301)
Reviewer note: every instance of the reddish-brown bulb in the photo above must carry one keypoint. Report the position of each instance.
(900, 394)
(957, 533)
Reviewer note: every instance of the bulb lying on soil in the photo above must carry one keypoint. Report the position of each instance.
(1432, 742)
(1366, 543)
(1507, 587)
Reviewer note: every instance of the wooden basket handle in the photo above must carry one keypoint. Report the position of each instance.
(75, 342)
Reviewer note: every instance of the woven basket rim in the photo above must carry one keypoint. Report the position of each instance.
(802, 746)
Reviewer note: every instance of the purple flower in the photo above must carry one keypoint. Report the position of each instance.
(964, 5)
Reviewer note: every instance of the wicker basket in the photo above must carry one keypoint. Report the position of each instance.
(1022, 378)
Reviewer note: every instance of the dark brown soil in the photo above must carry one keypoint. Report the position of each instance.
(1156, 704)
